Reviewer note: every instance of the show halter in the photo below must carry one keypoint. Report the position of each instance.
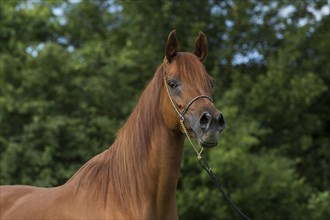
(181, 116)
(203, 163)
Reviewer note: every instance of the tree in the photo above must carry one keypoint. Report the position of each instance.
(71, 73)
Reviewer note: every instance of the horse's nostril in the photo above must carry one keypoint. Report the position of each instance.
(205, 120)
(221, 121)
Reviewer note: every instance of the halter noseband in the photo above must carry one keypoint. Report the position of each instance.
(184, 111)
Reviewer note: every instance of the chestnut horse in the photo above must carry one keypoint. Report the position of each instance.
(136, 178)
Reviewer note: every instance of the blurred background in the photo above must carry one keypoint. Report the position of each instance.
(72, 71)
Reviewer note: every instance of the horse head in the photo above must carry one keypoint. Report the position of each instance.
(188, 88)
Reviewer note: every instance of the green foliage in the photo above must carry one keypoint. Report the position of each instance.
(262, 185)
(318, 205)
(71, 73)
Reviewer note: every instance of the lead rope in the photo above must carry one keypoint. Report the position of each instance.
(203, 163)
(218, 185)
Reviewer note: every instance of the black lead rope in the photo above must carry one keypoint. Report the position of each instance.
(218, 185)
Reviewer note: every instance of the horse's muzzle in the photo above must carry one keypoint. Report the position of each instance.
(207, 127)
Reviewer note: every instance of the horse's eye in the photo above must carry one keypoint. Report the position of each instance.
(172, 84)
(212, 82)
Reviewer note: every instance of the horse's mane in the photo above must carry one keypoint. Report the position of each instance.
(124, 164)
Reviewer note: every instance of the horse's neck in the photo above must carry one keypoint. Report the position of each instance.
(167, 155)
(155, 171)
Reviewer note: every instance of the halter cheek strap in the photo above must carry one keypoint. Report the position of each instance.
(184, 111)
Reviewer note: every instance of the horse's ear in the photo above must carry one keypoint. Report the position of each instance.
(172, 47)
(201, 48)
